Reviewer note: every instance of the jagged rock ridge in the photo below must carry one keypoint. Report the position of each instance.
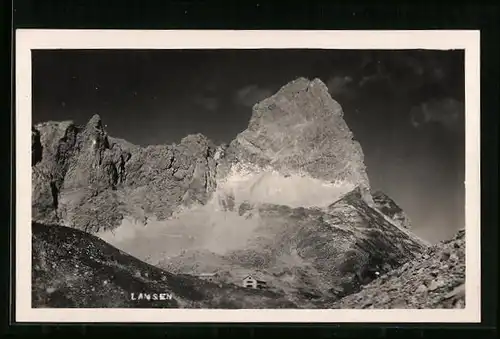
(389, 207)
(87, 180)
(79, 170)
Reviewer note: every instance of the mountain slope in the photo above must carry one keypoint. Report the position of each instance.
(435, 279)
(309, 253)
(75, 269)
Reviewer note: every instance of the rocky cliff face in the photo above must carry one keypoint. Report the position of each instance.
(301, 130)
(288, 198)
(84, 179)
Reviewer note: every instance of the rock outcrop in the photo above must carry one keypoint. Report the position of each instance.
(389, 207)
(82, 178)
(435, 279)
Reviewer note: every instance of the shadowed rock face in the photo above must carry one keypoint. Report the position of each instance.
(36, 146)
(389, 207)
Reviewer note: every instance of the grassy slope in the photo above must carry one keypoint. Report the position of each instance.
(75, 269)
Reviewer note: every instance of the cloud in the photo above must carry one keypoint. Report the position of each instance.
(207, 102)
(338, 84)
(450, 113)
(252, 94)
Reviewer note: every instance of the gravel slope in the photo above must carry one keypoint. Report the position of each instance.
(435, 279)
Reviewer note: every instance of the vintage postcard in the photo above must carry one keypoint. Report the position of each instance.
(247, 176)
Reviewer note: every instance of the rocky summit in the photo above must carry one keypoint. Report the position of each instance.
(389, 207)
(288, 200)
(301, 129)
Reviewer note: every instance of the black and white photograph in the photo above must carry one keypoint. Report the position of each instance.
(336, 179)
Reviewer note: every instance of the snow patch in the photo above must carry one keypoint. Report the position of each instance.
(218, 226)
(202, 227)
(265, 185)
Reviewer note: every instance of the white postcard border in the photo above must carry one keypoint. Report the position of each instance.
(28, 39)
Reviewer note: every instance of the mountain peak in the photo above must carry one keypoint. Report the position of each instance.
(301, 129)
(300, 91)
(95, 122)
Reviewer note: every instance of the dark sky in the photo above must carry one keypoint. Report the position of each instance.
(404, 107)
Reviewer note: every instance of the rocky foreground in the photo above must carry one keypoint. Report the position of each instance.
(74, 269)
(435, 279)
